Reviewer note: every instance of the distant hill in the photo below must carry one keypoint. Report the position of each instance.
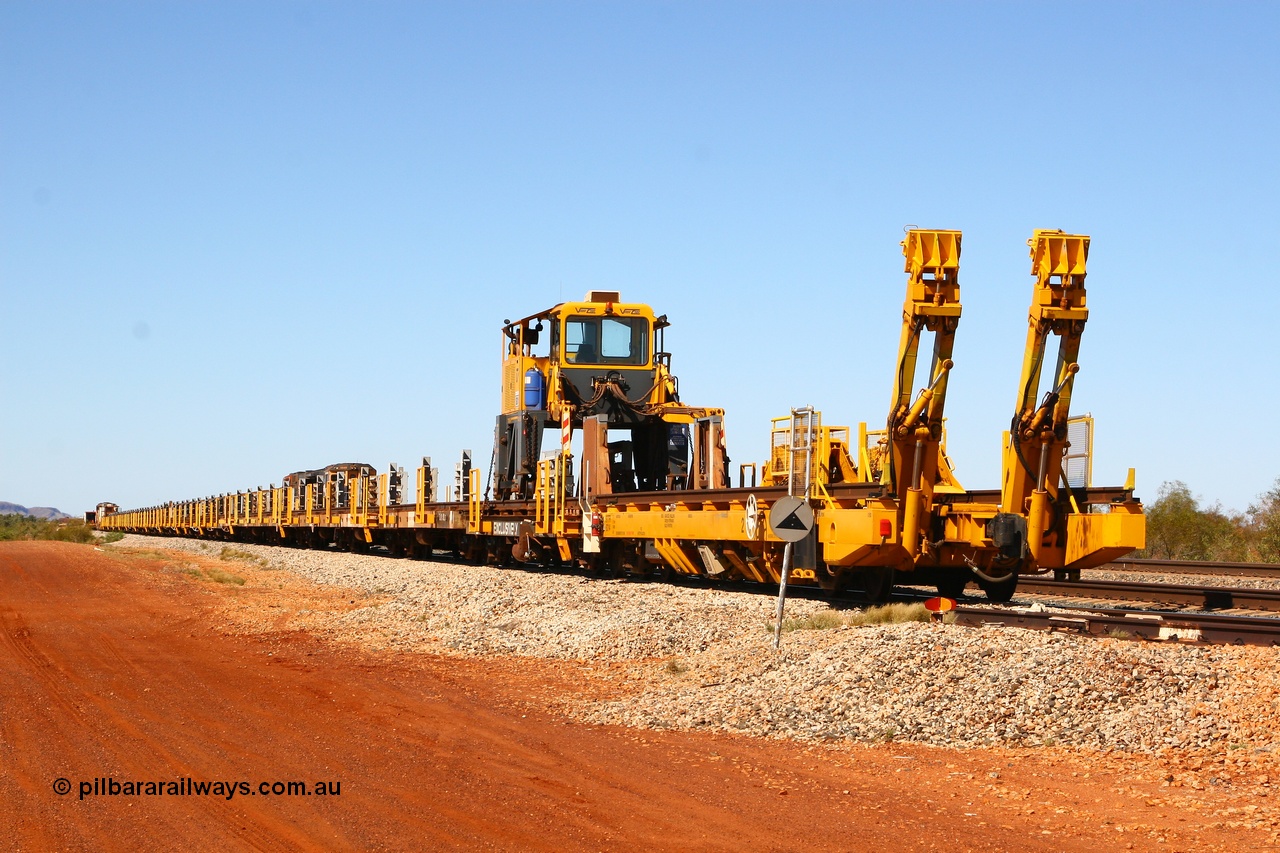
(35, 511)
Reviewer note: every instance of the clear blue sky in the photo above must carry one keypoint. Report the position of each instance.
(239, 239)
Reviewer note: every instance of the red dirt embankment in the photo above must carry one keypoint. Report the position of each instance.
(111, 668)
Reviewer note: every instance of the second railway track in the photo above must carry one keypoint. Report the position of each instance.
(1198, 596)
(1196, 567)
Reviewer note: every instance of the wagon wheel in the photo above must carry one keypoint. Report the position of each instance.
(952, 586)
(1000, 590)
(878, 583)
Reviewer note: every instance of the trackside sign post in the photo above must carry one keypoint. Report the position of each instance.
(790, 519)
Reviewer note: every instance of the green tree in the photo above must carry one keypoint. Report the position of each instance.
(1264, 525)
(1178, 528)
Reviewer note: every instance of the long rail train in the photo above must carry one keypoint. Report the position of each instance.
(639, 481)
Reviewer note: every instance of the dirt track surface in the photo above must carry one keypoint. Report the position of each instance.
(113, 667)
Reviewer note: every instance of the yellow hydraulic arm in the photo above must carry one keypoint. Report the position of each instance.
(1037, 438)
(916, 467)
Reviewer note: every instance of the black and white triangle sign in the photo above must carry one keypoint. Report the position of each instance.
(791, 519)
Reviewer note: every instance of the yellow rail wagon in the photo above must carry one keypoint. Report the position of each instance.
(597, 461)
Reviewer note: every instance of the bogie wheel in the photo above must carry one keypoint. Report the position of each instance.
(828, 580)
(837, 584)
(877, 581)
(1001, 591)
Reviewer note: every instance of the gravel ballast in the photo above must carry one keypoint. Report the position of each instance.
(706, 661)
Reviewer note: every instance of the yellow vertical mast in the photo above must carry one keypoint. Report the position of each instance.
(1037, 438)
(932, 262)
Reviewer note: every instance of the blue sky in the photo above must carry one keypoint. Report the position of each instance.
(239, 239)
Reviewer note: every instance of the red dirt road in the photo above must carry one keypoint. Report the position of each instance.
(112, 668)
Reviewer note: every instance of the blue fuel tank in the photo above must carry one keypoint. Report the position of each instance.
(535, 389)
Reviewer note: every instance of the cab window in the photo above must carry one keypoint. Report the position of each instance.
(606, 340)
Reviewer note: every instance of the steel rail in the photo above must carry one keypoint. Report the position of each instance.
(1203, 597)
(838, 491)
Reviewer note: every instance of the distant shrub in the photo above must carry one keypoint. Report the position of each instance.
(71, 531)
(13, 526)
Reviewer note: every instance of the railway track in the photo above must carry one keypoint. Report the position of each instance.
(1217, 629)
(1193, 595)
(1180, 626)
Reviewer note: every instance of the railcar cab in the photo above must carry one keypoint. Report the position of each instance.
(599, 356)
(97, 514)
(604, 358)
(598, 361)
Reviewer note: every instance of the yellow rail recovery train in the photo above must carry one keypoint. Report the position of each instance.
(638, 481)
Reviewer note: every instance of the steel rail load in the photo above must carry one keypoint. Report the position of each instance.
(639, 481)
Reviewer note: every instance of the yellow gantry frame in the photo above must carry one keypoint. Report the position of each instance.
(916, 466)
(1061, 535)
(1037, 437)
